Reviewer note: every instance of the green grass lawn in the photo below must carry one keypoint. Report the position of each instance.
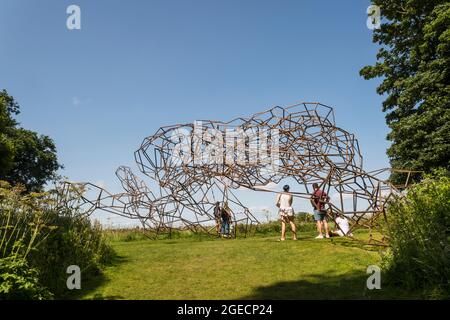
(252, 268)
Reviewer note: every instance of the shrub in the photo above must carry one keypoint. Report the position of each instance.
(76, 241)
(23, 220)
(20, 282)
(40, 236)
(419, 230)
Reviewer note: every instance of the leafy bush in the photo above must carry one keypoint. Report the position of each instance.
(76, 241)
(20, 282)
(40, 234)
(419, 230)
(23, 220)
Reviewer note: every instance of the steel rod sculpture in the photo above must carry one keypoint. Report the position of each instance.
(193, 166)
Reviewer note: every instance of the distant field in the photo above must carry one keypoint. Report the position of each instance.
(252, 268)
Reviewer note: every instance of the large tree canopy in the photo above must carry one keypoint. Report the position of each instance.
(8, 108)
(413, 61)
(25, 157)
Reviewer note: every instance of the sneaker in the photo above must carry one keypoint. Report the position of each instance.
(327, 236)
(319, 236)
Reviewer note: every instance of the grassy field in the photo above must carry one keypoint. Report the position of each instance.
(252, 268)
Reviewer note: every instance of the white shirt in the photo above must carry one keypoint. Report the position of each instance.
(343, 224)
(285, 200)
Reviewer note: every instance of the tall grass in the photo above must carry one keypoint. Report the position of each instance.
(23, 221)
(419, 230)
(23, 227)
(39, 238)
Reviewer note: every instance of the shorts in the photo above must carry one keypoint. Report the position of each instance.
(286, 213)
(319, 215)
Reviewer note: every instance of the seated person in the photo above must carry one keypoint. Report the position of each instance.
(342, 227)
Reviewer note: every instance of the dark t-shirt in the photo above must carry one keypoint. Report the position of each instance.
(217, 212)
(319, 197)
(225, 215)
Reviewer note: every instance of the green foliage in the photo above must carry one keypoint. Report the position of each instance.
(414, 61)
(23, 220)
(304, 223)
(419, 256)
(25, 157)
(20, 282)
(8, 108)
(76, 241)
(124, 234)
(49, 237)
(35, 160)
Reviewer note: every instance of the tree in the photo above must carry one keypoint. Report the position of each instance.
(25, 157)
(414, 63)
(8, 107)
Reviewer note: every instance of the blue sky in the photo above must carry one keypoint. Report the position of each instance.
(137, 65)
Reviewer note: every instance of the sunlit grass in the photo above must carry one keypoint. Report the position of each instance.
(256, 267)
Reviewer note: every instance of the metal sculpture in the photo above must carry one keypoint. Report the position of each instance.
(193, 166)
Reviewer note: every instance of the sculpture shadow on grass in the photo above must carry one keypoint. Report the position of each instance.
(328, 286)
